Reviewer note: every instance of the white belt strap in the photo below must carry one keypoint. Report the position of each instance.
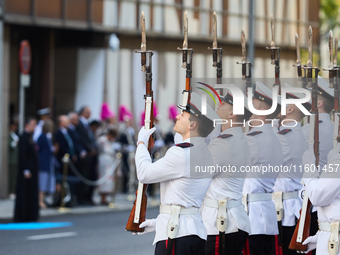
(333, 241)
(214, 203)
(175, 211)
(278, 198)
(257, 197)
(167, 209)
(222, 215)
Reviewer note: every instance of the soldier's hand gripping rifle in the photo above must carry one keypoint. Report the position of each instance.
(246, 68)
(275, 55)
(303, 226)
(187, 61)
(137, 215)
(217, 53)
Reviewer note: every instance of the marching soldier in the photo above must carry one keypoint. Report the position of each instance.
(223, 214)
(179, 226)
(265, 151)
(325, 106)
(287, 201)
(324, 192)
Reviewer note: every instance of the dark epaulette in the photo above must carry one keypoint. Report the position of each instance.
(320, 121)
(184, 145)
(285, 131)
(255, 133)
(225, 136)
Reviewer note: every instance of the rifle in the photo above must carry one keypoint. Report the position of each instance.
(137, 215)
(303, 226)
(187, 61)
(275, 55)
(217, 53)
(246, 68)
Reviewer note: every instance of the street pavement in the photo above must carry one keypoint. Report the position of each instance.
(84, 234)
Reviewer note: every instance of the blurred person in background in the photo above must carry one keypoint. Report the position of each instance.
(106, 160)
(27, 198)
(108, 120)
(13, 141)
(44, 114)
(170, 136)
(88, 168)
(47, 180)
(66, 146)
(128, 143)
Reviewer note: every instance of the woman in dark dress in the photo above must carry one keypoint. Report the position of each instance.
(26, 203)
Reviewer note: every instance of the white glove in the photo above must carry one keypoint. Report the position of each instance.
(311, 242)
(148, 225)
(144, 135)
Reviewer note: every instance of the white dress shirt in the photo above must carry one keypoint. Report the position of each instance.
(293, 146)
(173, 171)
(324, 192)
(232, 151)
(265, 150)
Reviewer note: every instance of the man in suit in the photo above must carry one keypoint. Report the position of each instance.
(88, 141)
(27, 201)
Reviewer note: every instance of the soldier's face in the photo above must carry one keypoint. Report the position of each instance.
(182, 125)
(224, 110)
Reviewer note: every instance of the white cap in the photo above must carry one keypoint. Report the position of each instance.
(308, 105)
(263, 93)
(43, 111)
(228, 98)
(195, 107)
(324, 89)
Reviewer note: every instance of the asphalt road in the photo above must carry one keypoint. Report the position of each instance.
(102, 233)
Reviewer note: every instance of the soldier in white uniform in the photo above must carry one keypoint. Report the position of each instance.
(181, 194)
(288, 184)
(222, 204)
(324, 192)
(265, 151)
(325, 106)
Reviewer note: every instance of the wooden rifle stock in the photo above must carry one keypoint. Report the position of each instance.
(130, 225)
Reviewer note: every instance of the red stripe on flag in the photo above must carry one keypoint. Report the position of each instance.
(217, 244)
(246, 248)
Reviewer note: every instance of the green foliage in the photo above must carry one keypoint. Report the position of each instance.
(329, 11)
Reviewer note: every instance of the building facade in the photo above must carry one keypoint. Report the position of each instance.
(83, 51)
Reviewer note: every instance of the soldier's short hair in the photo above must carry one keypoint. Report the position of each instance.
(328, 105)
(204, 125)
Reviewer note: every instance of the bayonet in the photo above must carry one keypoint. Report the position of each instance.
(143, 44)
(335, 62)
(310, 47)
(243, 44)
(298, 56)
(272, 44)
(275, 55)
(330, 45)
(185, 42)
(214, 29)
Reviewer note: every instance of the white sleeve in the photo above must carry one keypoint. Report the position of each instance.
(323, 191)
(171, 166)
(253, 150)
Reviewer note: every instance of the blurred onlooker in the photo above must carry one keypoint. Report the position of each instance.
(95, 126)
(72, 131)
(169, 136)
(88, 141)
(108, 120)
(47, 181)
(27, 201)
(67, 146)
(106, 160)
(13, 156)
(127, 141)
(44, 114)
